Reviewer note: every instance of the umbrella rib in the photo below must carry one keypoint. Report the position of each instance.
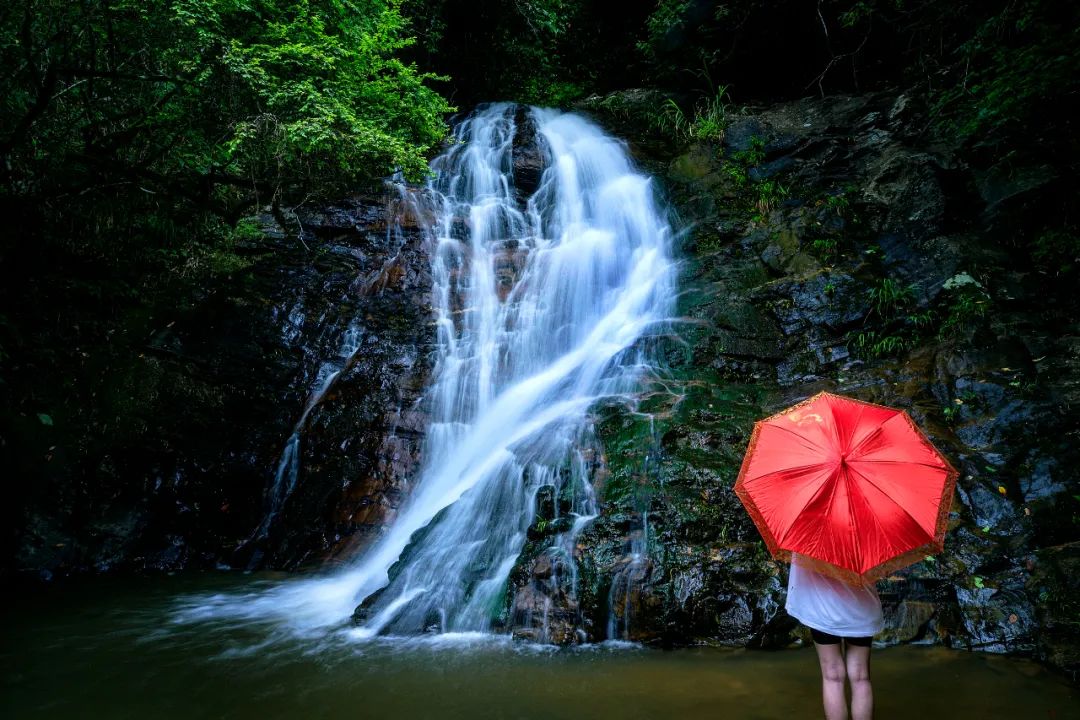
(902, 508)
(851, 432)
(874, 519)
(805, 439)
(837, 473)
(873, 433)
(898, 462)
(770, 473)
(852, 489)
(824, 484)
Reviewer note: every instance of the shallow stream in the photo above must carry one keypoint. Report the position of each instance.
(138, 649)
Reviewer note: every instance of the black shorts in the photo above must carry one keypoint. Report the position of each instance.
(824, 638)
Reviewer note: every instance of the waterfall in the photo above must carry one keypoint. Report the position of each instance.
(544, 291)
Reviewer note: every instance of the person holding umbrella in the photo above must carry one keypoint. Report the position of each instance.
(847, 491)
(842, 619)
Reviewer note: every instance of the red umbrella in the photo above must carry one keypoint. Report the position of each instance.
(854, 487)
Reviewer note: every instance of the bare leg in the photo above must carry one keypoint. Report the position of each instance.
(858, 673)
(833, 674)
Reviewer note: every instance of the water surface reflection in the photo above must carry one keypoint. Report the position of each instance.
(116, 650)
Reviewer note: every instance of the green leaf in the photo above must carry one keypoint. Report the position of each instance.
(978, 582)
(45, 419)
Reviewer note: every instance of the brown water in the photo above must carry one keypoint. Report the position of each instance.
(113, 650)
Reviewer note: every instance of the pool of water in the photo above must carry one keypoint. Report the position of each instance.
(122, 649)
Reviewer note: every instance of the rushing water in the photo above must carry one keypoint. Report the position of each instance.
(114, 650)
(520, 361)
(542, 302)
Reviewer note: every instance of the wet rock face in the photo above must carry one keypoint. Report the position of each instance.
(541, 609)
(225, 379)
(362, 439)
(529, 156)
(837, 245)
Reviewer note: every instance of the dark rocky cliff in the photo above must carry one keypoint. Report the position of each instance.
(203, 405)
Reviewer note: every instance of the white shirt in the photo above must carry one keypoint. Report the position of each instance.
(830, 605)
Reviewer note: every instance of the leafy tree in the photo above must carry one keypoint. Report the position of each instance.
(136, 134)
(222, 102)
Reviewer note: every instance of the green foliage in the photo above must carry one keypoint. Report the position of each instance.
(753, 155)
(331, 99)
(212, 97)
(668, 17)
(1009, 71)
(839, 202)
(921, 319)
(737, 173)
(680, 39)
(540, 52)
(710, 117)
(769, 193)
(963, 311)
(1000, 76)
(875, 344)
(708, 123)
(827, 249)
(859, 12)
(889, 297)
(764, 194)
(966, 302)
(671, 120)
(897, 324)
(134, 136)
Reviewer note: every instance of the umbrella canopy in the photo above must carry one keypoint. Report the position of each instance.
(856, 488)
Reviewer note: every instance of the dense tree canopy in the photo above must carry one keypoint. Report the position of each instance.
(218, 101)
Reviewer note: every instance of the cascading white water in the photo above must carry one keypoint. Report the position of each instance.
(521, 360)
